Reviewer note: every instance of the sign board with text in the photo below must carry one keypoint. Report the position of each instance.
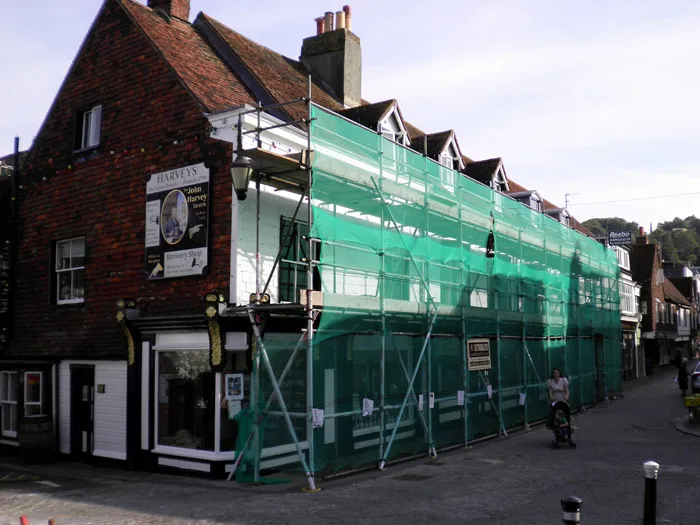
(479, 354)
(177, 223)
(619, 238)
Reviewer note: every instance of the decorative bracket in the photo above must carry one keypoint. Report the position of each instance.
(215, 303)
(126, 309)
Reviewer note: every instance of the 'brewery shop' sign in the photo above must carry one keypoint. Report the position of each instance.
(177, 211)
(479, 354)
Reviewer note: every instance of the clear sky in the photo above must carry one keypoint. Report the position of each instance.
(598, 99)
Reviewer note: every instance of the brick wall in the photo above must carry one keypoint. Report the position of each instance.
(655, 291)
(102, 195)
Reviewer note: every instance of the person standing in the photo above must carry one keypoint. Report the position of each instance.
(558, 387)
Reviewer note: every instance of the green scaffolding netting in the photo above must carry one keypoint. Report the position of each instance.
(403, 255)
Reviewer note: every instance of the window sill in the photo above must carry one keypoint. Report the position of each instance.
(193, 453)
(71, 302)
(86, 151)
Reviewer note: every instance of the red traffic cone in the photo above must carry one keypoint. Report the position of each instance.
(23, 520)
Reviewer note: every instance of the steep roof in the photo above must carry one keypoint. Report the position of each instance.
(483, 170)
(672, 294)
(684, 285)
(436, 142)
(285, 79)
(369, 115)
(202, 72)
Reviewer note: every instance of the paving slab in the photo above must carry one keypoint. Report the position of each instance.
(513, 481)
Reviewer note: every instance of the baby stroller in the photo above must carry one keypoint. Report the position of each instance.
(560, 423)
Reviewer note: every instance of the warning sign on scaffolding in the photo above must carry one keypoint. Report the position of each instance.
(479, 354)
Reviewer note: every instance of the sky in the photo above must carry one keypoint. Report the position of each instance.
(599, 100)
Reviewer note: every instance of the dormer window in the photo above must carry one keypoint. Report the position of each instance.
(447, 160)
(88, 126)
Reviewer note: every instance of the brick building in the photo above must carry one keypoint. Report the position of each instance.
(129, 232)
(666, 312)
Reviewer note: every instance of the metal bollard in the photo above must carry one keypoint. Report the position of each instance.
(571, 510)
(651, 471)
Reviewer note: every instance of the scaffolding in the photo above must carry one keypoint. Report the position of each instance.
(442, 309)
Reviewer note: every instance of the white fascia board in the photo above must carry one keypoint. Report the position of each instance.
(289, 139)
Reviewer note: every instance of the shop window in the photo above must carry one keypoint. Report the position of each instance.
(8, 404)
(186, 400)
(33, 402)
(70, 271)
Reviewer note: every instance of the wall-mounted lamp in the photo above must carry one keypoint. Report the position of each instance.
(242, 168)
(241, 171)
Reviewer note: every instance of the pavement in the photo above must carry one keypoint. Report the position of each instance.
(507, 481)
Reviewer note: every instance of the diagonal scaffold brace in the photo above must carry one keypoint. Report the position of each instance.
(278, 394)
(433, 304)
(270, 400)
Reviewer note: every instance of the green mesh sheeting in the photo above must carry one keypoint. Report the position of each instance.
(402, 254)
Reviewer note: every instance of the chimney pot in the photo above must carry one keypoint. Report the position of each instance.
(173, 8)
(320, 25)
(641, 231)
(329, 21)
(340, 20)
(348, 17)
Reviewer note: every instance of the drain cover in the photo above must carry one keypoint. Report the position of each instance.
(412, 477)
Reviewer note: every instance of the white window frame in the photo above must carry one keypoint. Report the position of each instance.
(40, 403)
(447, 176)
(3, 402)
(90, 127)
(71, 269)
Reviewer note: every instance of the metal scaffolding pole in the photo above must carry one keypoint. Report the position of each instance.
(382, 313)
(429, 363)
(309, 305)
(463, 297)
(408, 391)
(498, 364)
(283, 405)
(270, 400)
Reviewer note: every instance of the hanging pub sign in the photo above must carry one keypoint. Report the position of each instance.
(177, 225)
(479, 354)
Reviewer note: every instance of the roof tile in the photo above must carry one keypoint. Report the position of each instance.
(203, 73)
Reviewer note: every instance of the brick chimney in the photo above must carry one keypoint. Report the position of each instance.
(334, 57)
(642, 237)
(173, 8)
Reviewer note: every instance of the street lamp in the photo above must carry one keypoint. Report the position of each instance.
(241, 171)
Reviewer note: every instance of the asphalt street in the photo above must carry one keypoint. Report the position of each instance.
(508, 481)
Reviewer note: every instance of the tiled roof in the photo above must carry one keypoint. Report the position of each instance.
(284, 78)
(672, 294)
(482, 170)
(202, 72)
(436, 142)
(684, 285)
(369, 115)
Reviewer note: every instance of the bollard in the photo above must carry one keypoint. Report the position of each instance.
(651, 471)
(23, 520)
(52, 522)
(571, 510)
